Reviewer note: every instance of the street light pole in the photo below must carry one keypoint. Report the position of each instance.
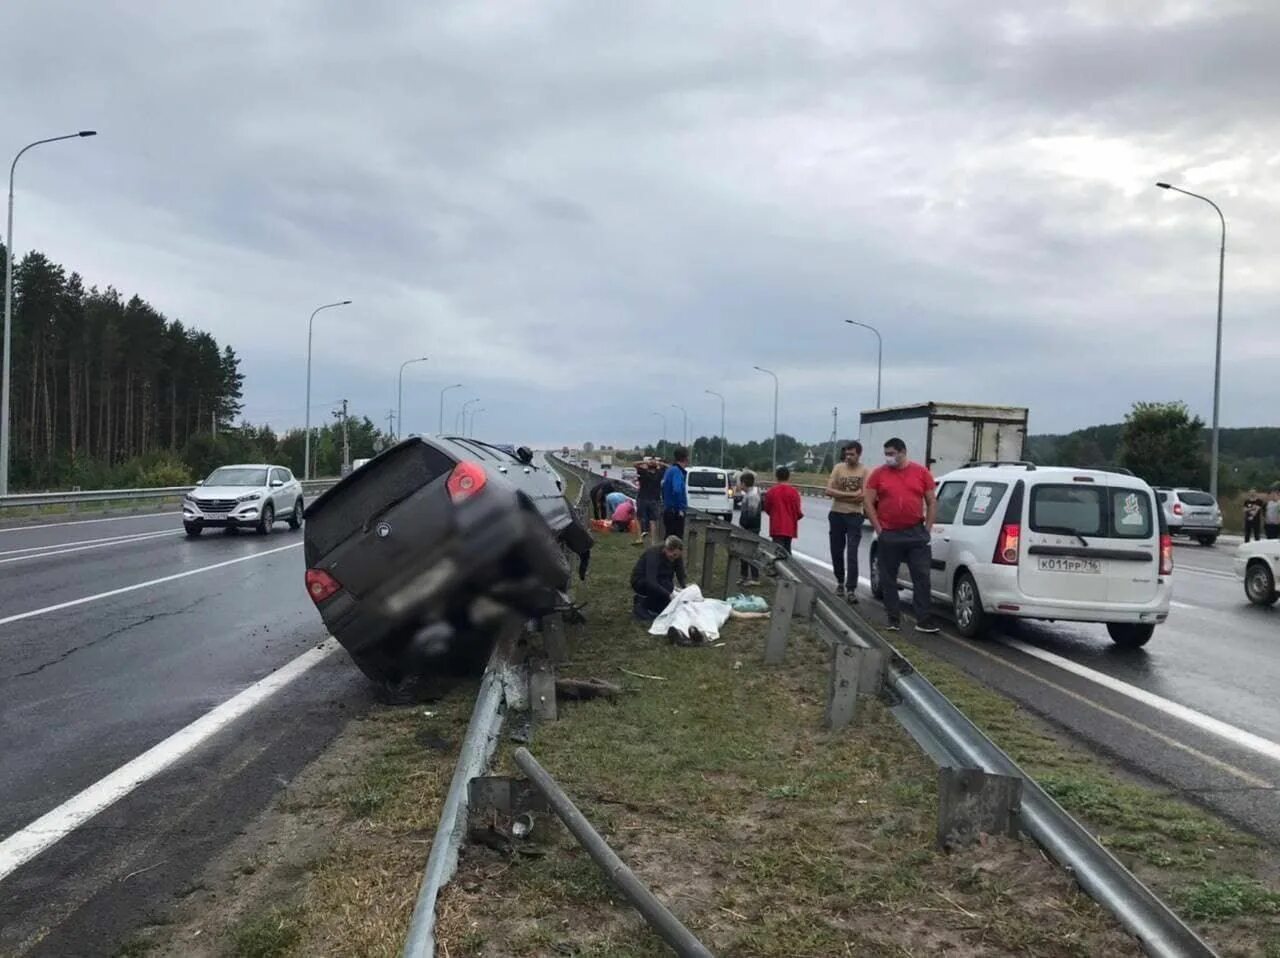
(712, 392)
(400, 392)
(306, 453)
(664, 426)
(471, 432)
(1217, 356)
(6, 386)
(775, 412)
(879, 354)
(460, 421)
(684, 436)
(440, 426)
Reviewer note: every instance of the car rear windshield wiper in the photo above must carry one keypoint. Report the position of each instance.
(1063, 530)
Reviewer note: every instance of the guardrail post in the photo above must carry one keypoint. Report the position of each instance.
(871, 662)
(973, 803)
(715, 538)
(554, 642)
(692, 532)
(784, 604)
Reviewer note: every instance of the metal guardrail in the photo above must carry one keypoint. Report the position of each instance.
(27, 500)
(865, 663)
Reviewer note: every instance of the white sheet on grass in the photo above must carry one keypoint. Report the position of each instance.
(688, 609)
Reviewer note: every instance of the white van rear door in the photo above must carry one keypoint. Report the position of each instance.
(1089, 541)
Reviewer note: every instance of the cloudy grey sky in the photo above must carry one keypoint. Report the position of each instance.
(586, 212)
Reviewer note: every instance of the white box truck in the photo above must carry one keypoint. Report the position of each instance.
(945, 436)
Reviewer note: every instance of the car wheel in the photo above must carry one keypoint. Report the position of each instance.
(966, 604)
(267, 521)
(295, 517)
(1260, 583)
(1206, 540)
(1130, 635)
(193, 529)
(877, 590)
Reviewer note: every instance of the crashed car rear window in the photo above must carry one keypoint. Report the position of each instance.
(369, 490)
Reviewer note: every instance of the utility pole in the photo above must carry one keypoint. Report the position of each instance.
(391, 423)
(213, 416)
(346, 442)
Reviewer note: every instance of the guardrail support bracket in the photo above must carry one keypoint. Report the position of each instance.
(542, 690)
(973, 803)
(852, 668)
(554, 642)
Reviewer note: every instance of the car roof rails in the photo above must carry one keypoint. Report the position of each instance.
(978, 463)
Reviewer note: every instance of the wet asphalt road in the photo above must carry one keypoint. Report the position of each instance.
(101, 661)
(1157, 709)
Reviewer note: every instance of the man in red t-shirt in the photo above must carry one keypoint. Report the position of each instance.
(901, 505)
(781, 504)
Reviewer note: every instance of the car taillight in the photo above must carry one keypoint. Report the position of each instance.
(321, 585)
(1177, 508)
(1166, 554)
(465, 481)
(1007, 544)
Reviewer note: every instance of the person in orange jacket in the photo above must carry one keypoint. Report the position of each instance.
(782, 505)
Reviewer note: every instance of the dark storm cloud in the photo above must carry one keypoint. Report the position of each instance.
(587, 212)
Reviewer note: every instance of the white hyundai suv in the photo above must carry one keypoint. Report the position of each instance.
(242, 497)
(1050, 542)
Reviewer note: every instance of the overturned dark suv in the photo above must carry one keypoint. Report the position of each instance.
(414, 558)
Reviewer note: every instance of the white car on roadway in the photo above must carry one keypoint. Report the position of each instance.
(1258, 564)
(244, 497)
(710, 490)
(1036, 542)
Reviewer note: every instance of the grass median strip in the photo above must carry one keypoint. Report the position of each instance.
(765, 833)
(1222, 880)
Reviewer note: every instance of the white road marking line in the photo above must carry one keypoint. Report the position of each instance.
(1182, 605)
(36, 553)
(25, 844)
(1206, 723)
(81, 542)
(143, 585)
(1196, 570)
(84, 522)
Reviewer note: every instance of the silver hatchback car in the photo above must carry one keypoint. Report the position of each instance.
(1191, 512)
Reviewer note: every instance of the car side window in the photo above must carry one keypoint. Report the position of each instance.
(286, 475)
(982, 502)
(277, 475)
(949, 497)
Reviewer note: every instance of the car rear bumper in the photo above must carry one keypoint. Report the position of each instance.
(1196, 529)
(1001, 596)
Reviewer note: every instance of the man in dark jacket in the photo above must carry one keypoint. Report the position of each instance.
(655, 576)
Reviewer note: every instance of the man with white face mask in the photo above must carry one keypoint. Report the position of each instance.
(901, 504)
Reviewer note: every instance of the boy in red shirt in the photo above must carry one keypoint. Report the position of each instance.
(782, 505)
(901, 505)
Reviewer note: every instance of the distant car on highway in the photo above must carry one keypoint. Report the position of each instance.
(1192, 513)
(1037, 542)
(1258, 565)
(710, 490)
(412, 559)
(252, 496)
(629, 474)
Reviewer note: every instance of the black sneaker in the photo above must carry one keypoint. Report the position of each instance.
(893, 626)
(928, 626)
(853, 597)
(840, 590)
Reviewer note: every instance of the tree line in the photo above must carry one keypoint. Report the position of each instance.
(107, 390)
